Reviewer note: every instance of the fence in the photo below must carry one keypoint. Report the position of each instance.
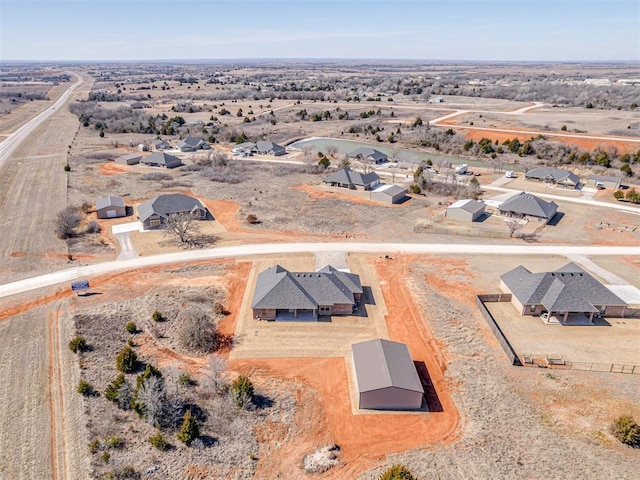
(557, 361)
(429, 228)
(504, 343)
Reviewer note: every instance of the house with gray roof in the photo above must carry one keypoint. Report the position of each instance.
(604, 181)
(303, 296)
(161, 159)
(153, 214)
(528, 206)
(269, 148)
(556, 176)
(386, 377)
(566, 291)
(390, 194)
(368, 154)
(160, 145)
(111, 207)
(192, 144)
(129, 159)
(347, 178)
(466, 209)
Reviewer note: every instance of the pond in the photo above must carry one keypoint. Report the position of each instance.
(403, 155)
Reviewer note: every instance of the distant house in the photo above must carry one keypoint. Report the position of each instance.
(110, 207)
(467, 210)
(244, 148)
(129, 159)
(160, 145)
(269, 148)
(139, 105)
(368, 154)
(347, 178)
(161, 159)
(386, 377)
(528, 206)
(604, 181)
(192, 144)
(565, 291)
(154, 213)
(388, 194)
(303, 296)
(556, 176)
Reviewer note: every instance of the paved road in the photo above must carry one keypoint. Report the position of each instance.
(68, 275)
(10, 143)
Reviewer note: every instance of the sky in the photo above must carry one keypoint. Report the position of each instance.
(477, 30)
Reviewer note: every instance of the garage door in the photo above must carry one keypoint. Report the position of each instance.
(112, 213)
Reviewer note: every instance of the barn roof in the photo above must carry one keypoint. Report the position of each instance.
(468, 205)
(382, 364)
(109, 202)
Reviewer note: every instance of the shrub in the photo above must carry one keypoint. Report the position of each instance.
(242, 391)
(158, 441)
(67, 167)
(618, 194)
(115, 442)
(66, 222)
(625, 429)
(397, 472)
(78, 344)
(185, 380)
(157, 316)
(131, 327)
(111, 392)
(93, 227)
(218, 309)
(85, 388)
(94, 445)
(252, 219)
(105, 457)
(198, 333)
(127, 360)
(189, 430)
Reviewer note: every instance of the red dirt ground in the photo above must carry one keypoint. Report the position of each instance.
(111, 168)
(364, 439)
(582, 143)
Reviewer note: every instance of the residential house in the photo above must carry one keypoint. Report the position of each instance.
(192, 144)
(528, 206)
(110, 207)
(269, 148)
(467, 210)
(390, 194)
(154, 213)
(386, 377)
(347, 178)
(556, 176)
(567, 291)
(303, 296)
(161, 159)
(160, 145)
(368, 154)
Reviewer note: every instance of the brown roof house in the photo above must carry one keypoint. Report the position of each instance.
(347, 178)
(303, 296)
(566, 295)
(386, 377)
(111, 207)
(153, 214)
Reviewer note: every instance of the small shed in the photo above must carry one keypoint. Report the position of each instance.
(605, 180)
(129, 159)
(386, 377)
(467, 210)
(111, 207)
(388, 194)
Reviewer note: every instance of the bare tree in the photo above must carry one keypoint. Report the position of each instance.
(67, 220)
(151, 396)
(332, 150)
(216, 366)
(307, 156)
(198, 331)
(513, 224)
(183, 227)
(345, 162)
